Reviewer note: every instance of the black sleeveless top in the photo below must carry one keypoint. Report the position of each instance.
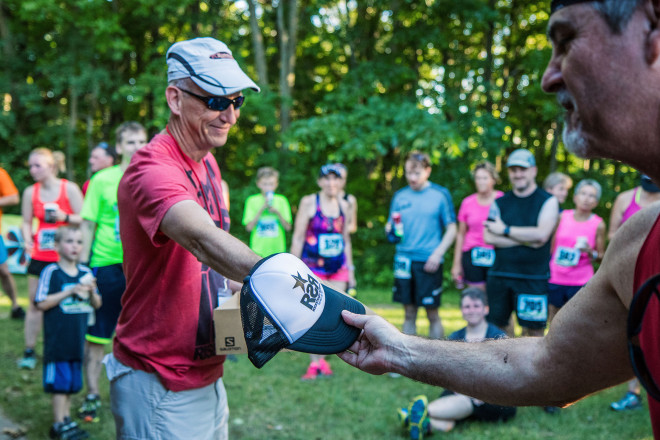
(522, 261)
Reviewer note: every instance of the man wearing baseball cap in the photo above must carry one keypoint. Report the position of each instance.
(520, 226)
(177, 253)
(605, 70)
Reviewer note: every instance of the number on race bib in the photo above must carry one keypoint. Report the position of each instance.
(532, 307)
(331, 245)
(402, 267)
(567, 257)
(482, 257)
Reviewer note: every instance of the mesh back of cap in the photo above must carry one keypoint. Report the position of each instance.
(262, 337)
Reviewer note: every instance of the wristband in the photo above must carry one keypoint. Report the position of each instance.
(507, 230)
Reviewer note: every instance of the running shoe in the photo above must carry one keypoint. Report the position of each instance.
(89, 409)
(312, 372)
(402, 416)
(629, 401)
(28, 362)
(418, 417)
(17, 313)
(67, 430)
(324, 368)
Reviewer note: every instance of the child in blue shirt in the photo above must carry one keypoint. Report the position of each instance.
(67, 294)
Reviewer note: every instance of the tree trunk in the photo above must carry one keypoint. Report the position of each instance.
(71, 129)
(258, 46)
(285, 92)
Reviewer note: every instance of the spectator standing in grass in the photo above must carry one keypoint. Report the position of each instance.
(267, 215)
(425, 212)
(101, 239)
(520, 227)
(579, 241)
(102, 156)
(472, 256)
(66, 295)
(54, 202)
(8, 196)
(321, 238)
(558, 184)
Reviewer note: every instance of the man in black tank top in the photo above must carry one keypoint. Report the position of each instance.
(520, 225)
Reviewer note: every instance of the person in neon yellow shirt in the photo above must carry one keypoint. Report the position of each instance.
(267, 215)
(101, 237)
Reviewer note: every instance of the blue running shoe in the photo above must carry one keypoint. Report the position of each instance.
(402, 416)
(629, 401)
(417, 416)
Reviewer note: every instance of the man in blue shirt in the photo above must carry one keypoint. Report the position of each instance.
(425, 212)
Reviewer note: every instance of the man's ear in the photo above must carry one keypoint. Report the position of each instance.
(652, 12)
(173, 96)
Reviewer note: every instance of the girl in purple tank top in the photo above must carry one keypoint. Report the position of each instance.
(321, 238)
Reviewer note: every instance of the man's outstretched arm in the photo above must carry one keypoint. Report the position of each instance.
(584, 351)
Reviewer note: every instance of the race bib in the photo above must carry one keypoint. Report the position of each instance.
(73, 305)
(402, 267)
(267, 228)
(482, 257)
(331, 245)
(532, 307)
(568, 257)
(47, 239)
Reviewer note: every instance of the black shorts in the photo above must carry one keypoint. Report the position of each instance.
(473, 274)
(111, 283)
(36, 266)
(422, 289)
(528, 298)
(487, 412)
(558, 294)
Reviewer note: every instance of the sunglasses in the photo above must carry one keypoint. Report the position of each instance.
(638, 308)
(218, 103)
(330, 169)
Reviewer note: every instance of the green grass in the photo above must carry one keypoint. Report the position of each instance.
(272, 403)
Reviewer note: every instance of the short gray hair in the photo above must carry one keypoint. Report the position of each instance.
(617, 13)
(590, 182)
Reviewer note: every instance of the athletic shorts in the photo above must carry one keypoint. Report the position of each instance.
(111, 284)
(528, 298)
(3, 251)
(421, 288)
(144, 409)
(487, 412)
(63, 377)
(341, 276)
(472, 273)
(558, 294)
(36, 266)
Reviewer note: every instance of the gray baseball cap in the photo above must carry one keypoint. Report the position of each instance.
(521, 158)
(210, 64)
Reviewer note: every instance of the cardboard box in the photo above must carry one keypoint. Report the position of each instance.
(229, 338)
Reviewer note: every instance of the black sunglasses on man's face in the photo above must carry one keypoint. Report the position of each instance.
(650, 379)
(218, 103)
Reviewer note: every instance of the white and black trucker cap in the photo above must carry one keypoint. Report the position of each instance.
(284, 305)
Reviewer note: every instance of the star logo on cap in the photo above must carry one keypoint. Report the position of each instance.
(300, 281)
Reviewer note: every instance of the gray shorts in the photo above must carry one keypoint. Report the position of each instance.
(144, 409)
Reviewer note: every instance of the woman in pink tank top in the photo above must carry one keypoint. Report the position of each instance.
(578, 242)
(472, 256)
(53, 202)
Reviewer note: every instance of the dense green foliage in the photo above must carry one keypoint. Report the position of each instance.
(362, 82)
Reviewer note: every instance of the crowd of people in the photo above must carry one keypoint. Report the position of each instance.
(148, 250)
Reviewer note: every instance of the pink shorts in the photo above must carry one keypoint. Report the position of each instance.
(340, 276)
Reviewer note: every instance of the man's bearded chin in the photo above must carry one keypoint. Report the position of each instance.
(574, 141)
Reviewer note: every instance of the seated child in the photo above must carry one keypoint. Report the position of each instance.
(423, 417)
(67, 294)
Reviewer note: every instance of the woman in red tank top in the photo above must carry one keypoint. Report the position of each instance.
(53, 202)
